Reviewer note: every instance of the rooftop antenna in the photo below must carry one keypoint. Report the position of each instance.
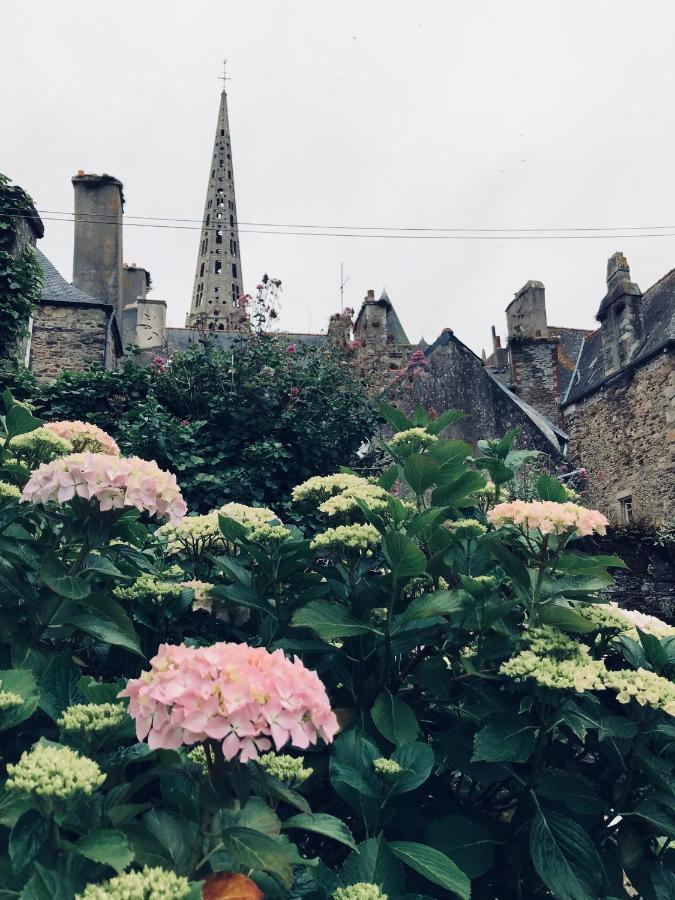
(224, 77)
(343, 282)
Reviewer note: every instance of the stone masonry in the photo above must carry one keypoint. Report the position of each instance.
(69, 337)
(625, 434)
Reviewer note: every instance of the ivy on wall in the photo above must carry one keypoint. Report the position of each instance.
(20, 273)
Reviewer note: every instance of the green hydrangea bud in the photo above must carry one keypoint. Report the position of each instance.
(9, 491)
(198, 756)
(413, 437)
(40, 446)
(54, 773)
(289, 769)
(465, 528)
(362, 890)
(149, 884)
(91, 718)
(149, 587)
(387, 768)
(347, 537)
(9, 699)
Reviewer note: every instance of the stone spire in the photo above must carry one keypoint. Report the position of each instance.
(218, 279)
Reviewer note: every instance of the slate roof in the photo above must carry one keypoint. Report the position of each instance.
(658, 324)
(394, 326)
(55, 288)
(569, 346)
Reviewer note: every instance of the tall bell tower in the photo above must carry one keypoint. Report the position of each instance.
(218, 278)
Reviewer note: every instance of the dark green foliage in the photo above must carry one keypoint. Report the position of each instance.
(245, 425)
(20, 274)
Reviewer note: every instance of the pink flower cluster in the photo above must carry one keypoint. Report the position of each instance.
(114, 481)
(84, 436)
(244, 696)
(549, 517)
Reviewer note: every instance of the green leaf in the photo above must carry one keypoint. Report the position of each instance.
(394, 417)
(573, 563)
(232, 530)
(394, 719)
(55, 576)
(254, 850)
(22, 682)
(655, 651)
(445, 420)
(504, 740)
(374, 863)
(564, 857)
(467, 844)
(175, 834)
(351, 768)
(417, 760)
(449, 453)
(106, 631)
(322, 823)
(440, 603)
(405, 558)
(575, 792)
(565, 617)
(420, 472)
(20, 421)
(657, 815)
(59, 685)
(617, 727)
(459, 489)
(107, 846)
(549, 488)
(329, 620)
(45, 884)
(26, 838)
(433, 865)
(258, 816)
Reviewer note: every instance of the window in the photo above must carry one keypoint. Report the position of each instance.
(233, 247)
(219, 236)
(219, 215)
(229, 174)
(201, 271)
(235, 294)
(234, 270)
(208, 218)
(231, 220)
(204, 245)
(626, 504)
(217, 266)
(222, 132)
(200, 293)
(221, 327)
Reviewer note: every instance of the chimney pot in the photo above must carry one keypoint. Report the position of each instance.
(80, 172)
(498, 342)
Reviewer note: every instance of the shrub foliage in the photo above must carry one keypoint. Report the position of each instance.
(503, 732)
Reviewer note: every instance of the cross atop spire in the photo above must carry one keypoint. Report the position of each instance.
(224, 77)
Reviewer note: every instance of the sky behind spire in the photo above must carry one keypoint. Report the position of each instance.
(490, 114)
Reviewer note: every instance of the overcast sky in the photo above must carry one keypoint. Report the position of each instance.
(493, 114)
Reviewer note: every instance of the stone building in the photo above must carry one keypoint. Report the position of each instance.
(619, 408)
(539, 359)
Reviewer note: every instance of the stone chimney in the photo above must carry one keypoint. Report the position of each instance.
(526, 313)
(620, 315)
(371, 323)
(150, 324)
(339, 330)
(533, 352)
(97, 254)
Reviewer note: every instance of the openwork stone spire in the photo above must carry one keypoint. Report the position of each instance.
(218, 279)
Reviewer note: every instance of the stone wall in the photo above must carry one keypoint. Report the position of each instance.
(454, 378)
(69, 337)
(535, 375)
(624, 434)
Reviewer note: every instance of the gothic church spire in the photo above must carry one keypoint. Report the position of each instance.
(218, 279)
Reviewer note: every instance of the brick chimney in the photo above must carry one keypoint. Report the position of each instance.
(620, 315)
(97, 252)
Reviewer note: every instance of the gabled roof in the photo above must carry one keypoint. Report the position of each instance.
(658, 330)
(55, 288)
(394, 326)
(56, 291)
(570, 341)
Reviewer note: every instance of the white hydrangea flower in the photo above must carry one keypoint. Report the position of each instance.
(54, 773)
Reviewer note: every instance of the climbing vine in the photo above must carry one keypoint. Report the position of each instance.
(20, 274)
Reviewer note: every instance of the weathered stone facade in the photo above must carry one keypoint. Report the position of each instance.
(69, 337)
(453, 377)
(535, 374)
(624, 433)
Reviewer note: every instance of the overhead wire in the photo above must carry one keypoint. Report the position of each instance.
(370, 232)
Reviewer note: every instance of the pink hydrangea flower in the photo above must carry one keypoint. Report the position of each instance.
(114, 481)
(245, 697)
(549, 517)
(292, 348)
(294, 392)
(84, 436)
